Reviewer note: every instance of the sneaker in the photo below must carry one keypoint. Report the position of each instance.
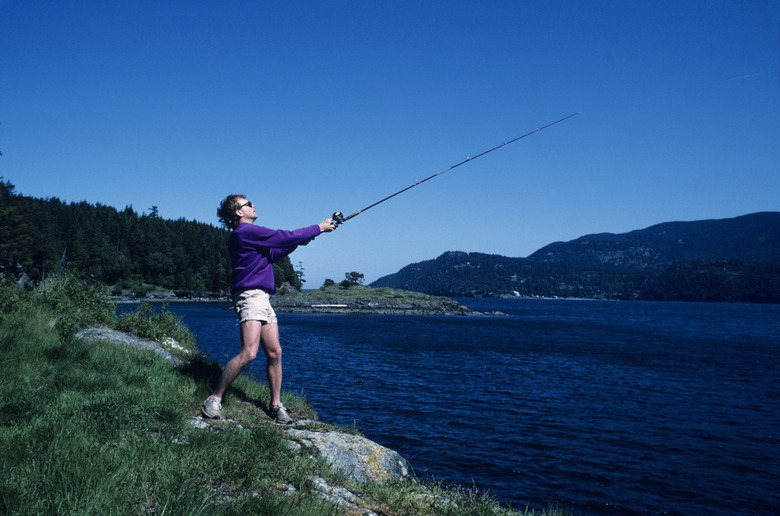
(212, 408)
(279, 413)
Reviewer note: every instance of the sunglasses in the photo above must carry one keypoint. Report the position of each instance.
(248, 203)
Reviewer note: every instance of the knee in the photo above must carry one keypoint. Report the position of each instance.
(273, 354)
(247, 356)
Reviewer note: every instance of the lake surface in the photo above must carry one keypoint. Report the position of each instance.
(599, 407)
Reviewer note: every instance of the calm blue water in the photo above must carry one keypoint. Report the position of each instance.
(601, 407)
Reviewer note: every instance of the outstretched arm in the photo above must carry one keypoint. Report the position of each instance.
(326, 226)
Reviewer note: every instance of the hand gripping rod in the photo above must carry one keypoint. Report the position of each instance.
(339, 218)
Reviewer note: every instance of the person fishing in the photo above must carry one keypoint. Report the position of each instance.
(253, 250)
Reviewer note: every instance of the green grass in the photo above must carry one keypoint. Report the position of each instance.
(386, 293)
(98, 428)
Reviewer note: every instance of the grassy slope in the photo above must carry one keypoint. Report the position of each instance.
(99, 428)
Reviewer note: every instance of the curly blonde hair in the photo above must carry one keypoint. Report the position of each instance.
(227, 211)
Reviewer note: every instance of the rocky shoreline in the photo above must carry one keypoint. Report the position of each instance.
(368, 305)
(355, 456)
(361, 300)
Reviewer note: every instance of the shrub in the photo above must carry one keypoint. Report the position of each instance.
(12, 296)
(157, 326)
(76, 302)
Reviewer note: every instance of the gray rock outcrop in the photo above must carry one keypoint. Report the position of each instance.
(106, 333)
(361, 459)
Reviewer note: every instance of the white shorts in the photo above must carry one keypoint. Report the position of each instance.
(254, 305)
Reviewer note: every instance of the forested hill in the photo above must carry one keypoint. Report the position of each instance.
(752, 238)
(722, 260)
(122, 249)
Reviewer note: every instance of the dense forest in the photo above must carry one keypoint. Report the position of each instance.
(459, 274)
(124, 250)
(721, 280)
(734, 259)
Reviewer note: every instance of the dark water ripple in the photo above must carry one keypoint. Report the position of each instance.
(603, 407)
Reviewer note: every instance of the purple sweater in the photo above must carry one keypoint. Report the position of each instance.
(253, 250)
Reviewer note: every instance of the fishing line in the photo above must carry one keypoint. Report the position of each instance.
(339, 217)
(671, 92)
(748, 76)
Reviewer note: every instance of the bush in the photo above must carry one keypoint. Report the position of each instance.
(157, 326)
(12, 296)
(76, 303)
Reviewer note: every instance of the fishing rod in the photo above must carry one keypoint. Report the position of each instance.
(339, 217)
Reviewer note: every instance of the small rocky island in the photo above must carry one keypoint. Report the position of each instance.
(360, 299)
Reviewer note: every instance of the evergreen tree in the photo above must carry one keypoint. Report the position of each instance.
(118, 248)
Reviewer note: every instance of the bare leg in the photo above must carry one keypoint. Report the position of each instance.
(250, 342)
(273, 361)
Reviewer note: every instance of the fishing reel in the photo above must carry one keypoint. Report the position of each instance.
(338, 218)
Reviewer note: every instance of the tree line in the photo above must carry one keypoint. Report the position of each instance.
(122, 249)
(456, 274)
(131, 252)
(735, 281)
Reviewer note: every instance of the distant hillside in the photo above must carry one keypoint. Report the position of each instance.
(458, 274)
(716, 260)
(751, 238)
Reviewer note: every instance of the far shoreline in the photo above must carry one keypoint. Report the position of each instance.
(356, 300)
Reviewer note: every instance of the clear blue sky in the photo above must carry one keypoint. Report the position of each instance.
(312, 107)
